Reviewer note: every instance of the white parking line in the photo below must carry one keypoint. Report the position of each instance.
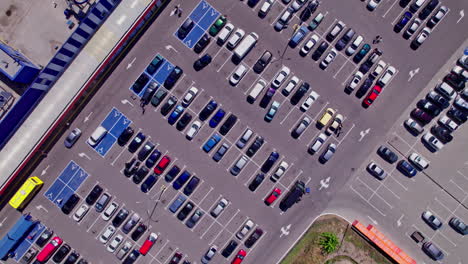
(203, 199)
(222, 64)
(388, 10)
(363, 198)
(343, 138)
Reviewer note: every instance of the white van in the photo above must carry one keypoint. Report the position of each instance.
(97, 136)
(258, 88)
(225, 33)
(245, 46)
(387, 76)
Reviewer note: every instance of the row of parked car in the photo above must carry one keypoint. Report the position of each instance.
(451, 88)
(417, 22)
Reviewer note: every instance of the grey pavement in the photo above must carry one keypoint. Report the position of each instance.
(345, 168)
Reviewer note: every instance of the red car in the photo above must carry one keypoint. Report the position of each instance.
(176, 258)
(373, 94)
(49, 249)
(148, 244)
(239, 257)
(162, 165)
(273, 196)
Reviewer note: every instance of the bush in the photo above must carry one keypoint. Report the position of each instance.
(329, 242)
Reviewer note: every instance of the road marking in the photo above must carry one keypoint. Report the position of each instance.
(373, 206)
(372, 220)
(363, 133)
(82, 154)
(462, 14)
(388, 10)
(412, 73)
(399, 220)
(285, 230)
(324, 183)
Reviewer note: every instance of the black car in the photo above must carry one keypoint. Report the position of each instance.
(267, 97)
(220, 152)
(191, 185)
(140, 174)
(132, 257)
(173, 77)
(320, 50)
(94, 195)
(208, 110)
(45, 236)
(456, 81)
(70, 204)
(253, 238)
(72, 258)
(136, 234)
(172, 173)
(120, 217)
(364, 87)
(254, 147)
(149, 183)
(125, 136)
(308, 10)
(202, 43)
(428, 107)
(274, 156)
(185, 211)
(442, 134)
(428, 9)
(457, 115)
(387, 154)
(167, 107)
(262, 62)
(344, 40)
(146, 150)
(136, 142)
(140, 83)
(83, 261)
(227, 251)
(228, 124)
(61, 253)
(256, 182)
(149, 92)
(438, 99)
(202, 62)
(158, 97)
(185, 28)
(404, 3)
(151, 161)
(131, 167)
(300, 93)
(183, 121)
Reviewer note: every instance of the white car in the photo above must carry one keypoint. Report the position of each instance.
(81, 212)
(422, 36)
(115, 243)
(438, 16)
(419, 161)
(193, 130)
(238, 74)
(107, 234)
(283, 20)
(313, 96)
(448, 123)
(354, 82)
(432, 141)
(245, 229)
(235, 38)
(309, 45)
(189, 96)
(376, 170)
(209, 254)
(317, 144)
(379, 69)
(413, 28)
(280, 77)
(110, 211)
(290, 86)
(328, 59)
(280, 171)
(297, 4)
(461, 103)
(372, 4)
(337, 122)
(265, 8)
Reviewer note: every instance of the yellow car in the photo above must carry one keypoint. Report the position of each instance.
(326, 117)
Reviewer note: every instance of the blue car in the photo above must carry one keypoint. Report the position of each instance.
(402, 22)
(153, 158)
(298, 36)
(175, 114)
(177, 203)
(209, 145)
(214, 121)
(149, 183)
(362, 53)
(406, 168)
(181, 180)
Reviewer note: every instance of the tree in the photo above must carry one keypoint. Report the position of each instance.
(329, 242)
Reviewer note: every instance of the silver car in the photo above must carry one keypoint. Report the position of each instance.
(72, 138)
(134, 219)
(209, 254)
(245, 229)
(376, 170)
(328, 153)
(219, 208)
(124, 250)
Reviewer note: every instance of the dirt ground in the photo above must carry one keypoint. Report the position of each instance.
(353, 249)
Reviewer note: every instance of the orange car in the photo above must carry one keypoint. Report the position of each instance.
(49, 249)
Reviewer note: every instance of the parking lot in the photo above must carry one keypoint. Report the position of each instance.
(117, 106)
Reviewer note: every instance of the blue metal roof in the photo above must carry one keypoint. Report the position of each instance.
(16, 234)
